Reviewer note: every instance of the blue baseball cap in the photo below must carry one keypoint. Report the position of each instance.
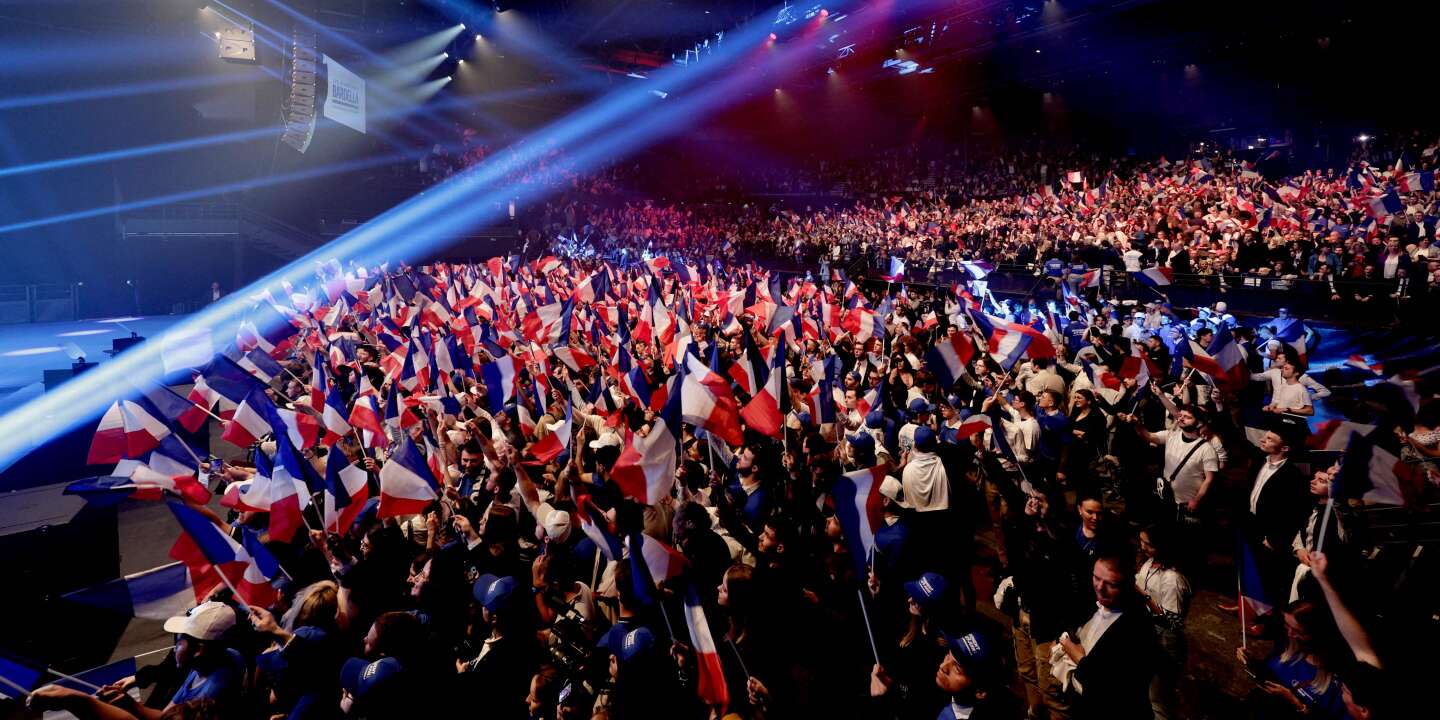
(362, 678)
(924, 439)
(927, 590)
(875, 419)
(305, 651)
(972, 651)
(494, 592)
(862, 443)
(920, 405)
(634, 643)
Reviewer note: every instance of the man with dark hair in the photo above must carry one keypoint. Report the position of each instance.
(1276, 509)
(1190, 461)
(1111, 657)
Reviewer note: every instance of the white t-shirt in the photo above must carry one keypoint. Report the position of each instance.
(1291, 396)
(1188, 480)
(1165, 587)
(1132, 260)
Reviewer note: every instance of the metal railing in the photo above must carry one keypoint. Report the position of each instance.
(38, 303)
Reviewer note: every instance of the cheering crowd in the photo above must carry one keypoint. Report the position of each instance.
(1367, 234)
(676, 484)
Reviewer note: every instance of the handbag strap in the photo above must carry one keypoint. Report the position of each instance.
(1184, 460)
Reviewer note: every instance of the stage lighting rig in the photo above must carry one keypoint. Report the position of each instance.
(237, 43)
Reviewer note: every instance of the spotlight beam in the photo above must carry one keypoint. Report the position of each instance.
(414, 227)
(115, 91)
(240, 136)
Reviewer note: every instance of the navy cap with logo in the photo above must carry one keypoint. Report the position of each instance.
(927, 590)
(634, 643)
(364, 679)
(494, 592)
(972, 651)
(875, 419)
(920, 405)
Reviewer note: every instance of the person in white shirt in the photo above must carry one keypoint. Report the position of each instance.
(1022, 430)
(1276, 378)
(1291, 396)
(1131, 257)
(1190, 460)
(1167, 595)
(1111, 661)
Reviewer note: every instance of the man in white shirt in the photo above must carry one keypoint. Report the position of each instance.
(1276, 377)
(1290, 396)
(1022, 430)
(1114, 655)
(1131, 257)
(1190, 460)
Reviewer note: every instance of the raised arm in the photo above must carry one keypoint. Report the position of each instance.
(1350, 627)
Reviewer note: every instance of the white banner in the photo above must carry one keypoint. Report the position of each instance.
(345, 100)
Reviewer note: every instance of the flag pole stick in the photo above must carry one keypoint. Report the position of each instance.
(740, 659)
(1324, 524)
(868, 632)
(666, 615)
(93, 687)
(236, 593)
(205, 410)
(1240, 598)
(26, 693)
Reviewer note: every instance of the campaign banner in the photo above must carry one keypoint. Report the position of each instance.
(345, 98)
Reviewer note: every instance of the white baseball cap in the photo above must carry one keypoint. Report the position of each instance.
(207, 621)
(555, 524)
(892, 489)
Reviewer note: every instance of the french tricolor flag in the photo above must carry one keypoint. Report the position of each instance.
(1230, 357)
(863, 324)
(303, 428)
(318, 384)
(949, 357)
(406, 483)
(202, 399)
(499, 379)
(365, 415)
(254, 418)
(645, 469)
(652, 562)
(126, 430)
(574, 358)
(706, 401)
(333, 417)
(765, 413)
(976, 423)
(1156, 276)
(711, 683)
(556, 442)
(1386, 205)
(749, 370)
(290, 482)
(346, 489)
(857, 507)
(249, 567)
(592, 523)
